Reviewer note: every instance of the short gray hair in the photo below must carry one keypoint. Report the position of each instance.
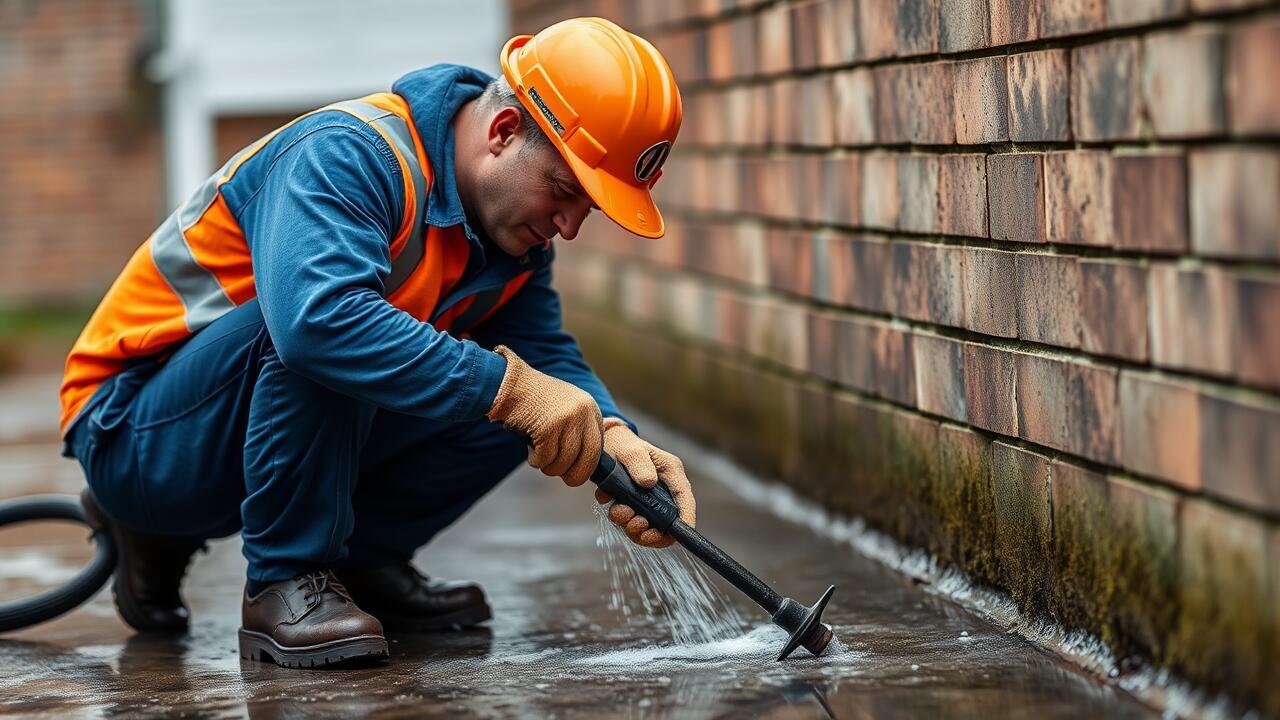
(497, 95)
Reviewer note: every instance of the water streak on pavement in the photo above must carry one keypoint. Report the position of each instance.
(555, 646)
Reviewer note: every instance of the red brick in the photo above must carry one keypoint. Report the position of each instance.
(1049, 299)
(940, 376)
(804, 35)
(1252, 67)
(917, 27)
(892, 109)
(781, 199)
(774, 33)
(909, 277)
(1093, 415)
(877, 29)
(1078, 197)
(1160, 428)
(1140, 12)
(981, 101)
(1257, 356)
(872, 262)
(944, 268)
(720, 51)
(1038, 96)
(1113, 308)
(1149, 199)
(962, 194)
(1192, 319)
(989, 377)
(1015, 197)
(1235, 202)
(818, 114)
(1071, 17)
(1106, 98)
(1015, 21)
(784, 111)
(990, 292)
(880, 190)
(822, 348)
(894, 370)
(855, 96)
(1215, 5)
(841, 180)
(1042, 400)
(963, 25)
(1182, 82)
(918, 193)
(837, 43)
(789, 257)
(929, 111)
(808, 179)
(1240, 451)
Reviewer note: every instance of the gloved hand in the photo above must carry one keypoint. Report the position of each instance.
(646, 464)
(561, 421)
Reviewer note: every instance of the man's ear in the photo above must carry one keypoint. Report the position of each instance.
(504, 129)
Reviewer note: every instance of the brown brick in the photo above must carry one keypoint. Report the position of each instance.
(1049, 299)
(1093, 415)
(1160, 428)
(1139, 12)
(944, 266)
(892, 87)
(989, 376)
(1043, 398)
(784, 111)
(1192, 314)
(1105, 94)
(940, 376)
(918, 193)
(1182, 82)
(1257, 357)
(963, 25)
(880, 190)
(804, 35)
(808, 174)
(1015, 197)
(962, 195)
(774, 33)
(789, 257)
(1038, 96)
(1078, 194)
(855, 96)
(720, 51)
(1252, 66)
(894, 371)
(1071, 17)
(1149, 199)
(981, 101)
(930, 113)
(990, 292)
(817, 121)
(1015, 21)
(909, 278)
(1215, 5)
(873, 265)
(1235, 202)
(877, 29)
(1240, 451)
(917, 27)
(1113, 308)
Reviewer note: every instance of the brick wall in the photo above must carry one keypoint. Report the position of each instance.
(1000, 276)
(80, 164)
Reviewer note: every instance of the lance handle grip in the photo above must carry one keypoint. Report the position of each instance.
(656, 504)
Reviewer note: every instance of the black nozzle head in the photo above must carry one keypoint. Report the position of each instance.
(805, 625)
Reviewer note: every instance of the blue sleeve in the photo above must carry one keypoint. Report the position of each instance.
(530, 324)
(319, 232)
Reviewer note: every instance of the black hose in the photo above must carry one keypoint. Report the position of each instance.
(52, 603)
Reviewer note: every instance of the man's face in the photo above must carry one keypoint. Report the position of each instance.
(528, 194)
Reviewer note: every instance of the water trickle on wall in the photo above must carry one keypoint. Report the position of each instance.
(668, 583)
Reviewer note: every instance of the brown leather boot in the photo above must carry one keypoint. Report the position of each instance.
(309, 621)
(148, 573)
(405, 600)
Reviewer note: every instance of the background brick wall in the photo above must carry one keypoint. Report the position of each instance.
(1000, 276)
(80, 143)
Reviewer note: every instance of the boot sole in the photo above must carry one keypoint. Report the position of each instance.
(129, 611)
(356, 650)
(456, 620)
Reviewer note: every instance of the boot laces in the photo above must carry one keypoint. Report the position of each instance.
(320, 581)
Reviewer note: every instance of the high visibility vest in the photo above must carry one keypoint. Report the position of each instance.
(196, 266)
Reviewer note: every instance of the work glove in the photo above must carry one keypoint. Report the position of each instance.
(560, 421)
(646, 464)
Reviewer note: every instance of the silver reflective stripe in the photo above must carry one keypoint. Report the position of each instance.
(397, 130)
(199, 291)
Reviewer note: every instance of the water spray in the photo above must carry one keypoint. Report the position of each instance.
(803, 624)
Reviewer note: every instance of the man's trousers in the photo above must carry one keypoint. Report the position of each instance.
(223, 438)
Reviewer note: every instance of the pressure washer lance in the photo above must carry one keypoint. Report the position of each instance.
(657, 506)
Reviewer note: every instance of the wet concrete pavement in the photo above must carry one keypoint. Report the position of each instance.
(554, 648)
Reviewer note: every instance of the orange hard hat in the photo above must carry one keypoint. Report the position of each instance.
(609, 103)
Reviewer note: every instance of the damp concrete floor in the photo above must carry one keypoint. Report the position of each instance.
(555, 647)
